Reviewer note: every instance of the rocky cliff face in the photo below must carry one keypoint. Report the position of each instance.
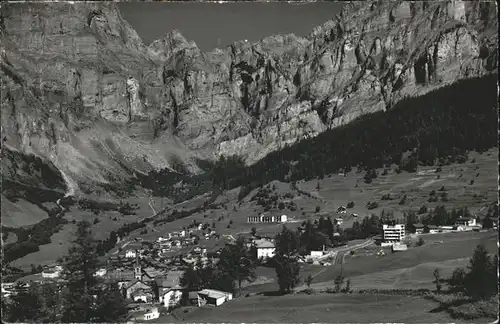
(81, 89)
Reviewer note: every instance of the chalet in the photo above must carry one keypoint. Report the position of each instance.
(265, 249)
(137, 286)
(169, 287)
(466, 221)
(431, 229)
(418, 228)
(144, 295)
(213, 297)
(146, 315)
(339, 221)
(342, 210)
(193, 297)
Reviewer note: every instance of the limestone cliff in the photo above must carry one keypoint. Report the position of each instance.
(81, 89)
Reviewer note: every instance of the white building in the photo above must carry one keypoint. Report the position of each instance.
(466, 221)
(131, 254)
(213, 297)
(171, 297)
(265, 249)
(152, 314)
(393, 233)
(101, 272)
(339, 221)
(267, 219)
(54, 272)
(316, 254)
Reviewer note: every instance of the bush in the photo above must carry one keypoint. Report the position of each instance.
(403, 200)
(420, 242)
(318, 209)
(371, 205)
(350, 204)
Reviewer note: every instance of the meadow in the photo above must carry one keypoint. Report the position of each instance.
(320, 307)
(230, 214)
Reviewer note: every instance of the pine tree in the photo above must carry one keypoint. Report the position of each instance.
(437, 279)
(236, 262)
(287, 271)
(287, 242)
(480, 280)
(192, 279)
(110, 305)
(79, 267)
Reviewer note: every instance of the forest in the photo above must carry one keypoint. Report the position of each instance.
(435, 129)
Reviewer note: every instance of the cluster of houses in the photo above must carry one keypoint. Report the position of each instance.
(170, 242)
(462, 224)
(393, 235)
(146, 288)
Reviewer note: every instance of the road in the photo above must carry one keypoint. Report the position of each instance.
(339, 255)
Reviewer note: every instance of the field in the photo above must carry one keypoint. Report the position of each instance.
(49, 253)
(338, 190)
(334, 190)
(21, 213)
(412, 268)
(326, 308)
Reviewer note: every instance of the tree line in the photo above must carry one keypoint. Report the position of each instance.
(436, 128)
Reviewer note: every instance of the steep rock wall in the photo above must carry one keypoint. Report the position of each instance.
(74, 75)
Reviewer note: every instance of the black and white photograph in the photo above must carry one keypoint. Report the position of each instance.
(249, 161)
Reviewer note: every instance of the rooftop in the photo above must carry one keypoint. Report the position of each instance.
(171, 280)
(212, 293)
(264, 244)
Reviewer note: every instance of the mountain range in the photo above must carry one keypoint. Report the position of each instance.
(85, 102)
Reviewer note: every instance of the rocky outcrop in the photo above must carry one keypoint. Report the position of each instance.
(77, 80)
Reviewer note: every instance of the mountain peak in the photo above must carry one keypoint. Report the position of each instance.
(170, 43)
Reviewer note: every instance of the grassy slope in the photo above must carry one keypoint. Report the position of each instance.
(21, 213)
(335, 190)
(339, 190)
(412, 268)
(326, 308)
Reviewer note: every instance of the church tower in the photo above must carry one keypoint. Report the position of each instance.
(137, 268)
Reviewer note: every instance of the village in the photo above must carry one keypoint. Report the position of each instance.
(149, 273)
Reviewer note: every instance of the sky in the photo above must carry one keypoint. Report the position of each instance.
(213, 25)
